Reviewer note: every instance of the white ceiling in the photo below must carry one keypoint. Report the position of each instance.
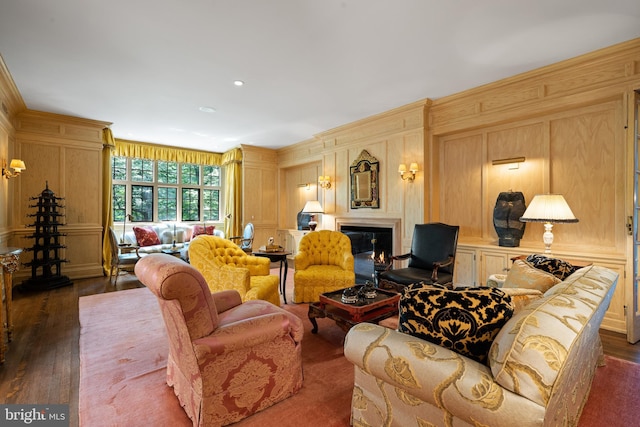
(309, 65)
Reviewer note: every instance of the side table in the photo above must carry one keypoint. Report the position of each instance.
(280, 256)
(9, 258)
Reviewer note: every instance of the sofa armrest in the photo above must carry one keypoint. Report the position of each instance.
(225, 300)
(434, 374)
(245, 333)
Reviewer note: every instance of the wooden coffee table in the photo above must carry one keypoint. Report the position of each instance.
(373, 310)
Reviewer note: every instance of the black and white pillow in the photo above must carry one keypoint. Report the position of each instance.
(464, 320)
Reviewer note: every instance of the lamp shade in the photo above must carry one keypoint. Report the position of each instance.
(312, 206)
(548, 208)
(17, 165)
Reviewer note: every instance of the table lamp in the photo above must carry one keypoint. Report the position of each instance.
(548, 209)
(312, 207)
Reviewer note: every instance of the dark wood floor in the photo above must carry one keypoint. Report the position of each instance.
(42, 363)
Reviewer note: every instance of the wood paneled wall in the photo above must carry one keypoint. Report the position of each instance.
(573, 131)
(65, 154)
(397, 136)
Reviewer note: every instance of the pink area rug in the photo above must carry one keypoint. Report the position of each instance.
(123, 351)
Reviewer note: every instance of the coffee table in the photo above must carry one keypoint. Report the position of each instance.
(373, 310)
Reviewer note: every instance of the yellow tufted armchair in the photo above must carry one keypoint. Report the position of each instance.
(225, 266)
(324, 263)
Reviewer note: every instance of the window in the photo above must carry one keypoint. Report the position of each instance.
(153, 191)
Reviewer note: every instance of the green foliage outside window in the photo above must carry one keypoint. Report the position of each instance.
(141, 170)
(172, 192)
(190, 174)
(190, 204)
(142, 203)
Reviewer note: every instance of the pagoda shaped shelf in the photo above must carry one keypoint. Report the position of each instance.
(46, 272)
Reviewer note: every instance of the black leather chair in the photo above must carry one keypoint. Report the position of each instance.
(431, 260)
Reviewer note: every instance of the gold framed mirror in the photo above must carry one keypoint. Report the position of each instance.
(364, 181)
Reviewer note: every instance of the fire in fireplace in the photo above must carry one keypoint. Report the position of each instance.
(371, 248)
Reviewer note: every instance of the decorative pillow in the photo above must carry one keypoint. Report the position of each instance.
(524, 275)
(146, 236)
(201, 229)
(463, 320)
(559, 268)
(520, 297)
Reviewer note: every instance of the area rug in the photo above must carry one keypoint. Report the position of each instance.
(123, 351)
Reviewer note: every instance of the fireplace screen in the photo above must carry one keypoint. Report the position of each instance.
(371, 248)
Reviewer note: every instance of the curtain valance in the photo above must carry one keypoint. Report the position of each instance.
(144, 150)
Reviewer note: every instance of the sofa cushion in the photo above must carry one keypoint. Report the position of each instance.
(463, 320)
(201, 229)
(559, 268)
(524, 275)
(529, 354)
(146, 236)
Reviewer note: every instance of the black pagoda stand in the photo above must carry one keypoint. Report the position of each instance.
(46, 270)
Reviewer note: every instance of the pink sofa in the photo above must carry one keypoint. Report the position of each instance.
(227, 359)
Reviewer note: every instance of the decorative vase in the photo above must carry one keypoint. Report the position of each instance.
(506, 218)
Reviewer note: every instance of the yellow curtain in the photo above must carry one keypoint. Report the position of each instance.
(107, 148)
(143, 150)
(232, 163)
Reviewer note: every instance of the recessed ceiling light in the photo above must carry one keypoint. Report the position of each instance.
(238, 82)
(207, 109)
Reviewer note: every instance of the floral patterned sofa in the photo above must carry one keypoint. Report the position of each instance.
(538, 371)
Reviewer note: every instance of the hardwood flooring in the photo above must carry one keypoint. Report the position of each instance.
(42, 364)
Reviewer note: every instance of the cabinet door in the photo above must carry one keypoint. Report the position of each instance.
(464, 273)
(615, 319)
(492, 263)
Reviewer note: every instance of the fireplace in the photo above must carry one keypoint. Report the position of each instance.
(372, 243)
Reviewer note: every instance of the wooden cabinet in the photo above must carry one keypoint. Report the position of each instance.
(476, 262)
(464, 273)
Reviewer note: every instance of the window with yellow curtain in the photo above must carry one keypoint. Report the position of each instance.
(161, 190)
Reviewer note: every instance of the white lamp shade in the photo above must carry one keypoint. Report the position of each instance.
(312, 206)
(17, 165)
(413, 167)
(548, 208)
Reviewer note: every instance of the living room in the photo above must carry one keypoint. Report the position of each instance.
(570, 121)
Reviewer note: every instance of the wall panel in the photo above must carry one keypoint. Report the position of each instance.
(462, 191)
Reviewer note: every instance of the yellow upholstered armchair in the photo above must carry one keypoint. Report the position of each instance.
(225, 266)
(324, 263)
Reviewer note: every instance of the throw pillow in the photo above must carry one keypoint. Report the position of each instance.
(559, 268)
(201, 229)
(524, 275)
(146, 236)
(520, 297)
(463, 320)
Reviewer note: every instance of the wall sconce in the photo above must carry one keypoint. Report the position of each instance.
(513, 162)
(16, 164)
(324, 181)
(413, 168)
